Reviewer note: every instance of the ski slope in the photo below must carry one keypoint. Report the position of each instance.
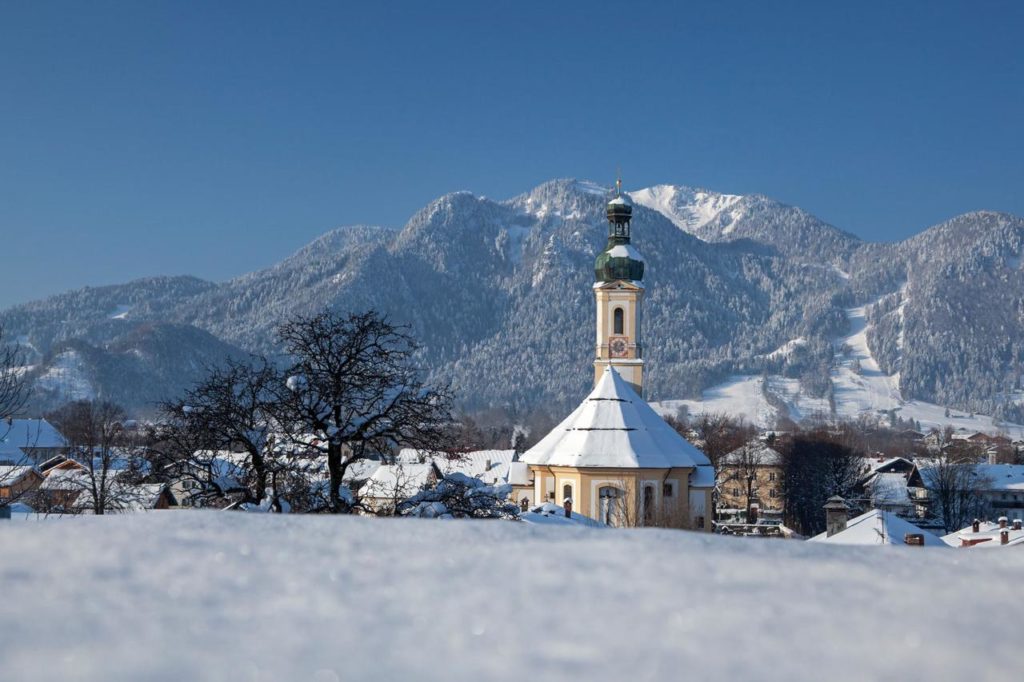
(192, 595)
(859, 387)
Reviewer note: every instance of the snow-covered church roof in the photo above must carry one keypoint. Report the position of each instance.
(614, 427)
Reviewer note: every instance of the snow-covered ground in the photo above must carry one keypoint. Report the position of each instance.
(860, 387)
(221, 596)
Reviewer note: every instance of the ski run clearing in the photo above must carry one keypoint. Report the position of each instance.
(191, 595)
(860, 387)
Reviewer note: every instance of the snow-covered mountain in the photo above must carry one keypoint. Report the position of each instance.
(499, 294)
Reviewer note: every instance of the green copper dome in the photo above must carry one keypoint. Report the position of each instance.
(619, 260)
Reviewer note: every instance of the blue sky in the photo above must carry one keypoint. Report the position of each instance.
(142, 138)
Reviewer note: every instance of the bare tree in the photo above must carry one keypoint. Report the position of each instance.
(742, 467)
(353, 392)
(955, 491)
(95, 431)
(718, 434)
(13, 394)
(233, 409)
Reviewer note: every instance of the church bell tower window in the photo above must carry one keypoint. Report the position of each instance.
(618, 323)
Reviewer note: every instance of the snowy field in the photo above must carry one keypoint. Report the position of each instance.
(220, 596)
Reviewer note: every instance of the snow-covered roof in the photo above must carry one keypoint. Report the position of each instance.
(65, 479)
(29, 433)
(872, 464)
(1002, 476)
(889, 489)
(11, 474)
(990, 477)
(754, 452)
(12, 455)
(703, 477)
(987, 536)
(402, 480)
(878, 527)
(490, 466)
(621, 200)
(614, 427)
(360, 470)
(954, 537)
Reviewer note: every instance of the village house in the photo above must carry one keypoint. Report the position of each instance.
(16, 481)
(29, 441)
(750, 482)
(393, 483)
(999, 487)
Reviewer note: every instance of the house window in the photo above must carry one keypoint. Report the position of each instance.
(618, 324)
(771, 492)
(771, 475)
(736, 492)
(524, 504)
(648, 504)
(566, 492)
(666, 490)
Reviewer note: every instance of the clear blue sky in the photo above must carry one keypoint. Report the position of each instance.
(141, 138)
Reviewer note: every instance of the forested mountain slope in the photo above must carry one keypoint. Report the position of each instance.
(499, 293)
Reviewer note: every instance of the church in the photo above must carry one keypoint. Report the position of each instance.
(614, 458)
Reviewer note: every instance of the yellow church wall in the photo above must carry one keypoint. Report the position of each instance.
(629, 509)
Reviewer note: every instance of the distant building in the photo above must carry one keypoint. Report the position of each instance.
(29, 441)
(750, 482)
(16, 481)
(999, 486)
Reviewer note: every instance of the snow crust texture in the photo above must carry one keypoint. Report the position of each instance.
(220, 596)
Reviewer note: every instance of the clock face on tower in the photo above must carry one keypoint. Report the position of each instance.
(618, 346)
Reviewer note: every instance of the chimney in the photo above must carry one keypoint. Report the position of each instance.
(567, 505)
(1004, 537)
(976, 526)
(835, 515)
(915, 539)
(1002, 521)
(1017, 524)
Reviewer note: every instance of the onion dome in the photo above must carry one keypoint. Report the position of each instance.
(619, 260)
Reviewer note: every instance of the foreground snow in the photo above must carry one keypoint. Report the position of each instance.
(217, 596)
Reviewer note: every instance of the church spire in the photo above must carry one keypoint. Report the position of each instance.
(619, 290)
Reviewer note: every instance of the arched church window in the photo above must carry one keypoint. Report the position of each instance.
(618, 322)
(648, 505)
(566, 492)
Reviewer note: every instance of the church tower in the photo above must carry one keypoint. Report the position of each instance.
(619, 291)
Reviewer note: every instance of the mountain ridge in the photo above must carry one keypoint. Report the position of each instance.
(498, 292)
